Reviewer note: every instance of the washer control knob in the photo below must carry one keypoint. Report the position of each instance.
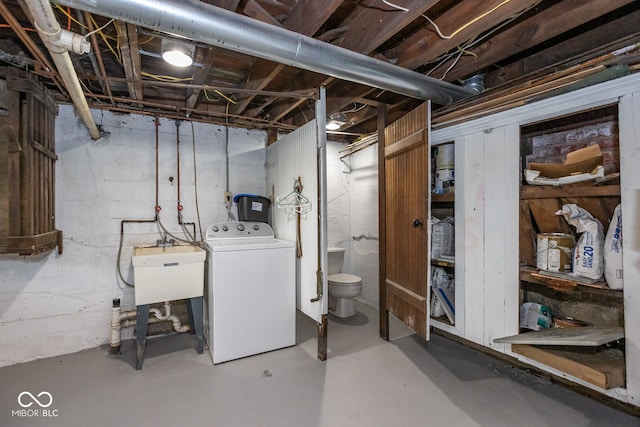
(215, 229)
(240, 227)
(225, 228)
(256, 227)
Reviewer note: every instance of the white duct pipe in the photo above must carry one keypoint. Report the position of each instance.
(125, 319)
(205, 23)
(57, 43)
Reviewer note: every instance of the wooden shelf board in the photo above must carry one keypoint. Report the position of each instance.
(587, 336)
(547, 192)
(604, 369)
(530, 274)
(442, 263)
(439, 198)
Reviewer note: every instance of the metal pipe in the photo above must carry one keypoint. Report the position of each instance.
(50, 32)
(178, 163)
(157, 122)
(205, 23)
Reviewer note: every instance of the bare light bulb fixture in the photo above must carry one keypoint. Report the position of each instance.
(336, 121)
(177, 53)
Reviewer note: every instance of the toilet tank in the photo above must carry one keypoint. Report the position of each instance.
(335, 259)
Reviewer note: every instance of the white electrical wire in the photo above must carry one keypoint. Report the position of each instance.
(388, 3)
(473, 42)
(86, 36)
(474, 20)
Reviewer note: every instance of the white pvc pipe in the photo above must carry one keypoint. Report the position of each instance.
(115, 328)
(50, 32)
(125, 319)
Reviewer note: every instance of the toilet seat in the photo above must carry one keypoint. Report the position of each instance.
(344, 279)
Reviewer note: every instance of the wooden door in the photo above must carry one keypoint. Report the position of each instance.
(406, 222)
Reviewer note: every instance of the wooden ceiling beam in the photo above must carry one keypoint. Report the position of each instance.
(612, 35)
(425, 45)
(545, 25)
(306, 17)
(380, 25)
(98, 54)
(200, 75)
(225, 4)
(255, 11)
(46, 68)
(128, 42)
(280, 110)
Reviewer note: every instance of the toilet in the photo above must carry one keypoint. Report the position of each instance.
(343, 288)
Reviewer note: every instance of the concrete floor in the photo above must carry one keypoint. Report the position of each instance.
(365, 382)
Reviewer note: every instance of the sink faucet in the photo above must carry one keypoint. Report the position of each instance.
(164, 242)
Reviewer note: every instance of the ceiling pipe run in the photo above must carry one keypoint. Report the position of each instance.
(57, 41)
(205, 23)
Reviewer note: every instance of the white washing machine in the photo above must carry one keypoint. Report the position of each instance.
(250, 301)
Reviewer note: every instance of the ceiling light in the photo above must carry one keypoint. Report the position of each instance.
(177, 53)
(336, 121)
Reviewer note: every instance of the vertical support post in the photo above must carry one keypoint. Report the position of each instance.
(321, 117)
(382, 219)
(322, 338)
(196, 320)
(142, 321)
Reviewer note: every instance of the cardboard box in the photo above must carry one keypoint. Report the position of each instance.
(584, 160)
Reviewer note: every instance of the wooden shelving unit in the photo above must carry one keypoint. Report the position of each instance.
(600, 365)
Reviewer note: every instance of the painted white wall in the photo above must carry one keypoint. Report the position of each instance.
(352, 189)
(338, 201)
(56, 304)
(364, 221)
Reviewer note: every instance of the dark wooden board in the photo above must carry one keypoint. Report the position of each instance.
(604, 369)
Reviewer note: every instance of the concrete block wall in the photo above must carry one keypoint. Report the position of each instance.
(54, 304)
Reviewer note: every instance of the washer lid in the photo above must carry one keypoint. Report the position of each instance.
(345, 279)
(250, 244)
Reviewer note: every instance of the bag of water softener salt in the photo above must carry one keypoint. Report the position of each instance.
(613, 251)
(535, 316)
(588, 259)
(442, 238)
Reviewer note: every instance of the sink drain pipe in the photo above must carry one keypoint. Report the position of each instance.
(125, 319)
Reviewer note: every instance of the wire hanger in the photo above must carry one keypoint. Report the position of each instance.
(295, 200)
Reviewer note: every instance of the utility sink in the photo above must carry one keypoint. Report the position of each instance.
(167, 273)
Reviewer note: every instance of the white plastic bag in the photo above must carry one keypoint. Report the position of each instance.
(442, 238)
(613, 251)
(588, 259)
(535, 316)
(440, 278)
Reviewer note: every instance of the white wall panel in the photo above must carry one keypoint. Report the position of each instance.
(630, 188)
(501, 234)
(470, 191)
(292, 156)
